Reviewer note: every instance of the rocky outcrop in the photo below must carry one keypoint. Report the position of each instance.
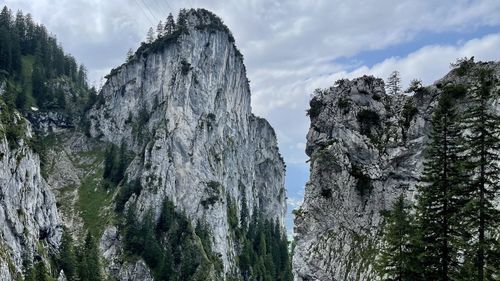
(182, 105)
(365, 148)
(49, 122)
(29, 220)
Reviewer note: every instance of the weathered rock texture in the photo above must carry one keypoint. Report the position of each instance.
(184, 110)
(181, 107)
(29, 220)
(365, 148)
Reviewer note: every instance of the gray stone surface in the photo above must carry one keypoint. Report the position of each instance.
(28, 214)
(358, 171)
(197, 131)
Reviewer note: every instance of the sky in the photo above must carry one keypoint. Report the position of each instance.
(291, 47)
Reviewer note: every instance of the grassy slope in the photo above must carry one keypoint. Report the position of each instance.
(94, 201)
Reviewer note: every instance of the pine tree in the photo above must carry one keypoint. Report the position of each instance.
(130, 54)
(244, 212)
(20, 24)
(41, 272)
(182, 20)
(415, 86)
(30, 273)
(89, 268)
(67, 256)
(150, 36)
(437, 202)
(394, 83)
(82, 75)
(398, 253)
(6, 18)
(169, 25)
(482, 146)
(159, 30)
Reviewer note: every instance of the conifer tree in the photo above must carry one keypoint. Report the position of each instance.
(130, 54)
(244, 212)
(394, 83)
(30, 273)
(398, 253)
(438, 202)
(82, 75)
(89, 268)
(150, 36)
(169, 25)
(160, 29)
(415, 85)
(20, 24)
(67, 256)
(6, 18)
(41, 272)
(482, 152)
(182, 20)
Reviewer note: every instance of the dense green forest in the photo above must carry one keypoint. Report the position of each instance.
(36, 70)
(452, 232)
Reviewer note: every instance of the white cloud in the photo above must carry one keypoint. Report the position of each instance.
(275, 37)
(290, 47)
(294, 203)
(428, 63)
(285, 104)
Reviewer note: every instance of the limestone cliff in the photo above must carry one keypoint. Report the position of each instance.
(184, 110)
(365, 148)
(180, 110)
(30, 225)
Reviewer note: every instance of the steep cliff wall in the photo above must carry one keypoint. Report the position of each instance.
(179, 113)
(182, 105)
(30, 226)
(365, 148)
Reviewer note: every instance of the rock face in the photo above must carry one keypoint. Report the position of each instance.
(29, 219)
(181, 108)
(366, 148)
(184, 110)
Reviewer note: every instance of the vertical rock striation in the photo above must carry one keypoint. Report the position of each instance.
(365, 148)
(29, 220)
(182, 105)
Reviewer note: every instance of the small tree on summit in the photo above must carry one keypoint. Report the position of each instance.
(415, 85)
(160, 30)
(151, 36)
(169, 25)
(130, 54)
(182, 19)
(394, 83)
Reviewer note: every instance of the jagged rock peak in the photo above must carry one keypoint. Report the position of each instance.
(183, 108)
(366, 148)
(193, 20)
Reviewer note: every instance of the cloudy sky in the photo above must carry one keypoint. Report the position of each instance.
(291, 47)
